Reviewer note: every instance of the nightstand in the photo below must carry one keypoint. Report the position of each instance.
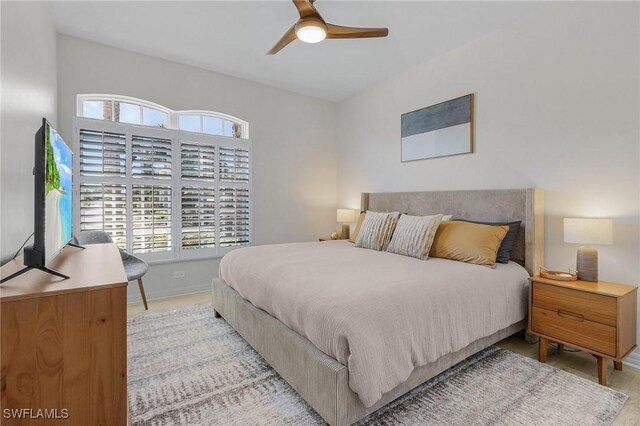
(595, 317)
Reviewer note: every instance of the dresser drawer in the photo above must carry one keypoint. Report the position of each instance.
(574, 329)
(590, 306)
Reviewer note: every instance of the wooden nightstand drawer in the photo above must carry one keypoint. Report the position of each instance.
(574, 329)
(596, 317)
(590, 306)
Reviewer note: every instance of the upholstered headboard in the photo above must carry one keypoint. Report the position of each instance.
(499, 205)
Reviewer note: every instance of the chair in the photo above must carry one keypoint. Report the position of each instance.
(134, 267)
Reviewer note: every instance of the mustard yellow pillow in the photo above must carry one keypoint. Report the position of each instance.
(468, 242)
(356, 230)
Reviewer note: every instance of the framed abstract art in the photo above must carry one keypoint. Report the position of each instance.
(438, 130)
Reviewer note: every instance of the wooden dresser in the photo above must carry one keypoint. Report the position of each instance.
(64, 342)
(597, 317)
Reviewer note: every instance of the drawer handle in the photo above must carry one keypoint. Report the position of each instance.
(570, 315)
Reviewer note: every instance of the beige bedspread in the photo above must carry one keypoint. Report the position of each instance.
(378, 313)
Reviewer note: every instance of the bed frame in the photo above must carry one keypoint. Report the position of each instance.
(321, 380)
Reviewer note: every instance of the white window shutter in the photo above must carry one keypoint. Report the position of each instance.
(234, 164)
(103, 207)
(234, 216)
(197, 161)
(151, 218)
(150, 157)
(163, 194)
(102, 154)
(198, 217)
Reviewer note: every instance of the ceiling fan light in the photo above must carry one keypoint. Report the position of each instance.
(311, 33)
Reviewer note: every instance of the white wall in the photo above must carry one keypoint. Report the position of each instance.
(293, 136)
(29, 92)
(556, 107)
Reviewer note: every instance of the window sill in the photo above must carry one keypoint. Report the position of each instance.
(183, 260)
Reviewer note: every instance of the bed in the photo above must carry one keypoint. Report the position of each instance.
(351, 335)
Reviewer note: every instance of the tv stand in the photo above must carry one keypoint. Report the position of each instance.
(64, 342)
(34, 260)
(40, 268)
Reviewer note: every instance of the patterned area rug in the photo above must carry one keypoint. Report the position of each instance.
(188, 368)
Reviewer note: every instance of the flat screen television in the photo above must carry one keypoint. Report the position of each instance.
(53, 218)
(53, 200)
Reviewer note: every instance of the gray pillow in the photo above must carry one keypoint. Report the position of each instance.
(504, 251)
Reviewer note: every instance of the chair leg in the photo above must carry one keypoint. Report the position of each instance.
(144, 298)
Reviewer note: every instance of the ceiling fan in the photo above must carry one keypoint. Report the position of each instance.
(311, 28)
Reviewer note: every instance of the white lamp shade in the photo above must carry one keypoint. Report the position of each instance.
(588, 231)
(346, 216)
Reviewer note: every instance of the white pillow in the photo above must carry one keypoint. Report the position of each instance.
(447, 217)
(376, 230)
(414, 235)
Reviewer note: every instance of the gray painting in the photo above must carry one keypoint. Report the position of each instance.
(438, 130)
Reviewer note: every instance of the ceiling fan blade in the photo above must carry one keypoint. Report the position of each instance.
(287, 38)
(306, 9)
(337, 31)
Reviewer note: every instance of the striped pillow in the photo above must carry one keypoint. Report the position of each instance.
(414, 235)
(376, 230)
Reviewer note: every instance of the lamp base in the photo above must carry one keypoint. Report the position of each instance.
(587, 264)
(345, 231)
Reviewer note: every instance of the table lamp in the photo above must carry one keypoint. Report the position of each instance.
(586, 232)
(346, 217)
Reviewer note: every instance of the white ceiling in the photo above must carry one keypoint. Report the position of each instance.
(233, 37)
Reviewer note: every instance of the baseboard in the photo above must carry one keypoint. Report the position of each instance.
(168, 292)
(633, 360)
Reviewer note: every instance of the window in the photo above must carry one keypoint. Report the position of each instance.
(210, 124)
(151, 218)
(198, 193)
(198, 210)
(234, 164)
(162, 193)
(150, 157)
(124, 109)
(234, 216)
(103, 207)
(119, 111)
(102, 153)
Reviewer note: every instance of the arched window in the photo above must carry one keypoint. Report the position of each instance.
(212, 123)
(163, 184)
(125, 109)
